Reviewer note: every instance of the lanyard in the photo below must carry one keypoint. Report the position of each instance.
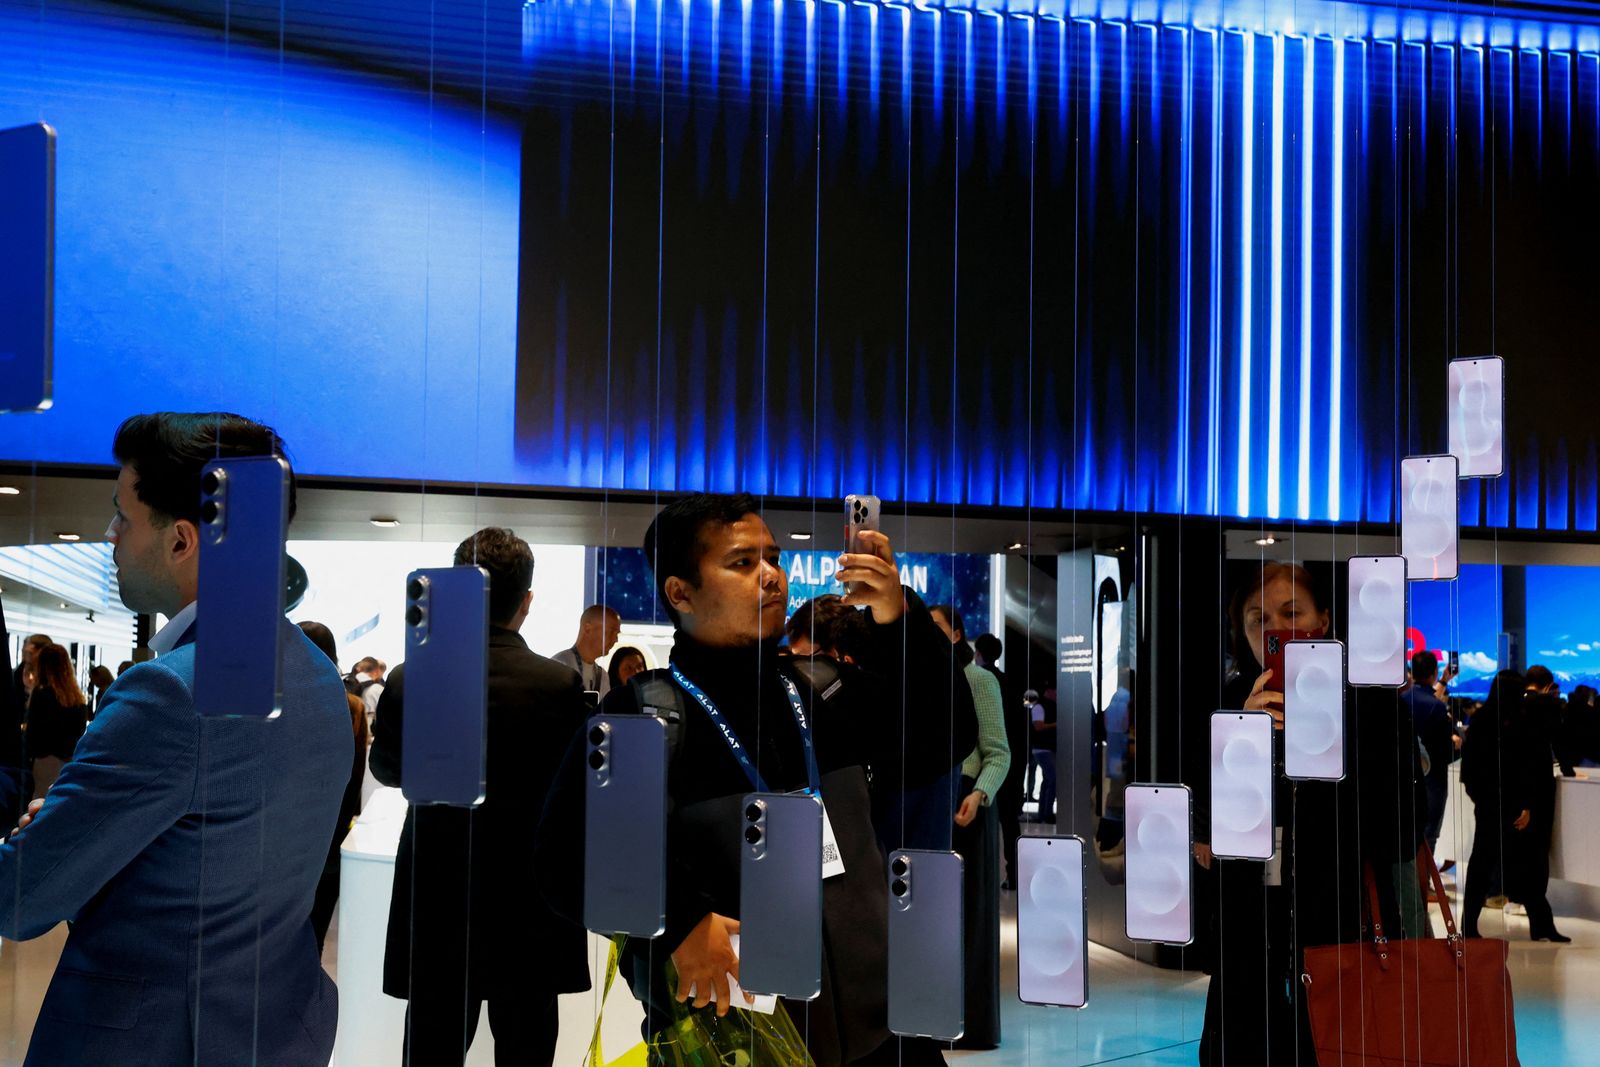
(737, 747)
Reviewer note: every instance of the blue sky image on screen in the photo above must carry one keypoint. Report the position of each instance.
(1464, 616)
(1564, 623)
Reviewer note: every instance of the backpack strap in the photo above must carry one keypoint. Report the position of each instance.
(659, 695)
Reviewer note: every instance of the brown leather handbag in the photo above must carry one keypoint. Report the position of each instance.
(1428, 1002)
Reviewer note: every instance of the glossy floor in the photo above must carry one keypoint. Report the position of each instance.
(1138, 1015)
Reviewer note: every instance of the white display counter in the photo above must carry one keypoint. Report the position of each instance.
(371, 1024)
(1573, 856)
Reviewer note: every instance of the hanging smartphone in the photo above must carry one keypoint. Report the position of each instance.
(1377, 586)
(1052, 952)
(1313, 711)
(861, 513)
(27, 266)
(244, 513)
(780, 895)
(625, 826)
(1241, 785)
(1273, 642)
(925, 953)
(1160, 842)
(1428, 517)
(446, 686)
(1477, 399)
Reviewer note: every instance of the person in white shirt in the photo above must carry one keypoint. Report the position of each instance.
(598, 629)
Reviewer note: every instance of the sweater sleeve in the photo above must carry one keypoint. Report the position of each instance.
(989, 762)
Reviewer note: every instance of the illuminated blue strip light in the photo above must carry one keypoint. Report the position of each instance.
(1233, 368)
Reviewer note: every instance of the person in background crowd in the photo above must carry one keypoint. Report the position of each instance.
(827, 626)
(1008, 801)
(327, 897)
(100, 679)
(57, 715)
(1042, 739)
(166, 817)
(1484, 776)
(24, 677)
(365, 681)
(123, 667)
(977, 830)
(1580, 729)
(717, 573)
(1437, 733)
(598, 628)
(626, 662)
(1529, 783)
(465, 927)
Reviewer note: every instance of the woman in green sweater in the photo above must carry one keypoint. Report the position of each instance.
(977, 838)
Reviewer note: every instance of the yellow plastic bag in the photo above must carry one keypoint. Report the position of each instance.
(701, 1039)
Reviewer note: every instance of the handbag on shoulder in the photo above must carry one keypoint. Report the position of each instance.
(1428, 1002)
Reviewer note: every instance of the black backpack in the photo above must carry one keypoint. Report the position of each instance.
(357, 687)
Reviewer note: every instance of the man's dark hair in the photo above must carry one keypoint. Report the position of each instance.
(1538, 677)
(509, 561)
(674, 544)
(989, 647)
(832, 624)
(1424, 667)
(322, 637)
(168, 449)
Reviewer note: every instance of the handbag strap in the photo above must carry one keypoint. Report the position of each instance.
(1426, 862)
(1380, 942)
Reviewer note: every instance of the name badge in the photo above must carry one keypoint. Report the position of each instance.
(832, 861)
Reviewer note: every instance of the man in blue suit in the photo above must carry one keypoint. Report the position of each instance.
(184, 850)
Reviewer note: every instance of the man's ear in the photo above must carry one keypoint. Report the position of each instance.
(185, 541)
(678, 596)
(527, 601)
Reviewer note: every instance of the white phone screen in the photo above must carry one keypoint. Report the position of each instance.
(1052, 951)
(1477, 415)
(1241, 785)
(1313, 710)
(1160, 903)
(1429, 514)
(1377, 620)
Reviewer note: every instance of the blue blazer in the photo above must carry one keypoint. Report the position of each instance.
(185, 851)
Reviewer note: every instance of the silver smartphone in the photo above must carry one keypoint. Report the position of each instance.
(780, 895)
(1052, 950)
(1377, 621)
(244, 514)
(442, 752)
(1241, 785)
(1159, 898)
(861, 513)
(926, 987)
(1477, 414)
(625, 826)
(1313, 710)
(1429, 515)
(27, 266)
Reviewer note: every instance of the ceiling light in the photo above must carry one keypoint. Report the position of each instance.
(1267, 540)
(10, 490)
(384, 524)
(68, 537)
(1013, 546)
(65, 605)
(799, 535)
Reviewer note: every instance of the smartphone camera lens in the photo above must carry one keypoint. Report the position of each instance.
(597, 735)
(900, 867)
(597, 760)
(416, 589)
(753, 835)
(209, 512)
(210, 482)
(899, 887)
(413, 616)
(753, 812)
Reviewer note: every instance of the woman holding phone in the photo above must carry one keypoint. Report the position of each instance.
(1253, 917)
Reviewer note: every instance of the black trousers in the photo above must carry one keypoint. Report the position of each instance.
(439, 1030)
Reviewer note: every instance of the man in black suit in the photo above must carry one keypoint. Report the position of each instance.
(465, 924)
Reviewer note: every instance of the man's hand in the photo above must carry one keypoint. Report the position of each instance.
(969, 808)
(1521, 822)
(28, 816)
(876, 577)
(704, 961)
